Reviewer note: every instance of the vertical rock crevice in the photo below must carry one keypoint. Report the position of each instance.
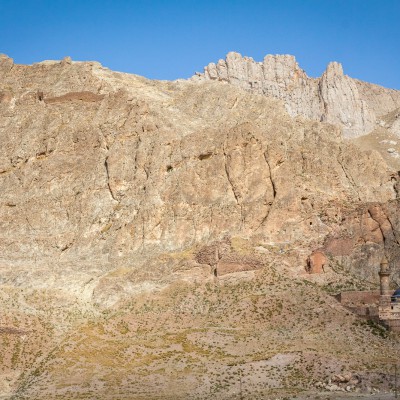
(274, 192)
(108, 179)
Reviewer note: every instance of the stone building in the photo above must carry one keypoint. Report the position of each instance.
(382, 306)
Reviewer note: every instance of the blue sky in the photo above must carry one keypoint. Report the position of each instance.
(172, 39)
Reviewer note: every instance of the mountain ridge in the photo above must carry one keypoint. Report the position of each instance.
(334, 97)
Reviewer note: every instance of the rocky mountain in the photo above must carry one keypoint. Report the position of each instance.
(334, 97)
(158, 237)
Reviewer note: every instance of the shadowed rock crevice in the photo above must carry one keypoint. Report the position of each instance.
(108, 179)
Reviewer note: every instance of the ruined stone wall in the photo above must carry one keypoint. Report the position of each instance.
(357, 298)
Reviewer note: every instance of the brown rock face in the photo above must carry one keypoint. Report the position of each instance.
(364, 236)
(334, 98)
(316, 262)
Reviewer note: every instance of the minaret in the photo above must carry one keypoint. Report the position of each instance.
(384, 274)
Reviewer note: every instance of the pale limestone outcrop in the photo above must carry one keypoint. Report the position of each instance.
(277, 76)
(342, 103)
(334, 97)
(379, 99)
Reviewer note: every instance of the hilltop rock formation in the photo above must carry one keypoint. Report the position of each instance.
(334, 97)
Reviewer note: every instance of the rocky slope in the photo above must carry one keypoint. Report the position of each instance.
(169, 224)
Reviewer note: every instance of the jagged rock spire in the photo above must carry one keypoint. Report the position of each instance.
(332, 98)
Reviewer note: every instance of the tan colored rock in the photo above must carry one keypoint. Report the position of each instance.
(6, 64)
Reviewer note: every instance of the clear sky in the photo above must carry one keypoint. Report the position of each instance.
(172, 39)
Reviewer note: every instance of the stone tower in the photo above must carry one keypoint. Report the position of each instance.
(384, 275)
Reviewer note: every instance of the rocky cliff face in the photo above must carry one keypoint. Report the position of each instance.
(334, 97)
(131, 206)
(109, 170)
